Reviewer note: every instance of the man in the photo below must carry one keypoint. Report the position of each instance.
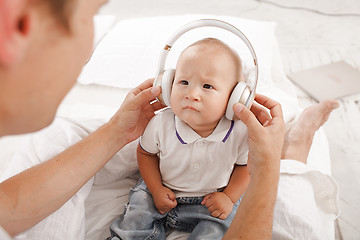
(43, 46)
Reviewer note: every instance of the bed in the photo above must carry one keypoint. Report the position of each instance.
(125, 53)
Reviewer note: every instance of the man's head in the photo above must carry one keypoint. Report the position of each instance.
(43, 47)
(206, 73)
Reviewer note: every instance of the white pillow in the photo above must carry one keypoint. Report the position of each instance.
(129, 53)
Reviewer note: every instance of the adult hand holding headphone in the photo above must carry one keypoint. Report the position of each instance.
(266, 137)
(266, 132)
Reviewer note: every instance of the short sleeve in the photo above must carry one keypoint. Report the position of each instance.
(149, 141)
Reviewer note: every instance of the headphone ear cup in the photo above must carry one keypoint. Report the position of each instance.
(240, 94)
(166, 85)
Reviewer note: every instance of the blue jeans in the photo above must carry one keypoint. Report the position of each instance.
(142, 220)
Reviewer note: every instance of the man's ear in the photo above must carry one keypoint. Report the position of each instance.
(15, 26)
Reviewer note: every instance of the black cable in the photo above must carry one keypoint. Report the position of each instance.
(310, 10)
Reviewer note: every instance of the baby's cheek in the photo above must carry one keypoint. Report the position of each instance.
(218, 106)
(174, 98)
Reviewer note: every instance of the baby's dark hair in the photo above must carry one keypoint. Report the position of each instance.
(221, 45)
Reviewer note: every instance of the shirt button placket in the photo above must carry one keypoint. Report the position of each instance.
(199, 154)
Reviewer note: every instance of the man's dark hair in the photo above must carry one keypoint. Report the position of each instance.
(62, 10)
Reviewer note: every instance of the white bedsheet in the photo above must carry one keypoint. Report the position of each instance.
(300, 195)
(302, 189)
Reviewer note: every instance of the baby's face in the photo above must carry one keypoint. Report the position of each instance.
(204, 79)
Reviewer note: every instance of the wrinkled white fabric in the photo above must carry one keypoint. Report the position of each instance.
(4, 235)
(307, 203)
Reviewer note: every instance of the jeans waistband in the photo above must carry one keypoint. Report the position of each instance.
(189, 200)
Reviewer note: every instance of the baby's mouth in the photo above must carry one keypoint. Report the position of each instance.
(191, 108)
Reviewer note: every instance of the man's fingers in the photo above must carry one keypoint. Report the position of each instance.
(261, 113)
(147, 95)
(144, 85)
(251, 120)
(272, 105)
(247, 117)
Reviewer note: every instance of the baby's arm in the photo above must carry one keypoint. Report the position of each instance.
(238, 183)
(220, 204)
(164, 198)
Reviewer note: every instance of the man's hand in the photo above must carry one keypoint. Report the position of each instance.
(136, 111)
(254, 217)
(164, 200)
(219, 204)
(266, 133)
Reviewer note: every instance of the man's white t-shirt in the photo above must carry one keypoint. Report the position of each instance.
(4, 235)
(191, 165)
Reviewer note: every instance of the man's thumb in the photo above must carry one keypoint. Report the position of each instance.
(155, 91)
(246, 116)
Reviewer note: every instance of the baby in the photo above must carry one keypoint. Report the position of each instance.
(191, 158)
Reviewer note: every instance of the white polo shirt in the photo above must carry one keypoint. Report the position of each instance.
(191, 165)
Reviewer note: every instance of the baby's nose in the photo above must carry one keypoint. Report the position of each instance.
(193, 94)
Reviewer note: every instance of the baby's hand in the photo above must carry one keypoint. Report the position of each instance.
(164, 200)
(219, 204)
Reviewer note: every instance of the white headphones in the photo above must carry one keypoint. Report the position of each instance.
(242, 92)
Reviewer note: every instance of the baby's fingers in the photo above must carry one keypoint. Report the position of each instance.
(205, 199)
(171, 195)
(217, 214)
(162, 212)
(223, 216)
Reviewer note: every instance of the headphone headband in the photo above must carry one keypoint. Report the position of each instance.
(209, 23)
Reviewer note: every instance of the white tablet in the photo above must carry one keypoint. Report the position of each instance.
(330, 81)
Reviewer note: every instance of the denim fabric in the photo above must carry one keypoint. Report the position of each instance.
(141, 219)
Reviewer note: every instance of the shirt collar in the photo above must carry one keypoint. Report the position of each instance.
(185, 134)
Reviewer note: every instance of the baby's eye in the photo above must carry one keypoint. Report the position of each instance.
(184, 82)
(208, 86)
